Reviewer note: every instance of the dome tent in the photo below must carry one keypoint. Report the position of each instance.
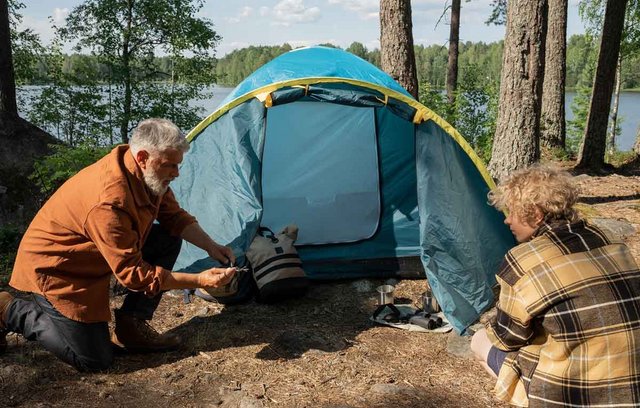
(373, 179)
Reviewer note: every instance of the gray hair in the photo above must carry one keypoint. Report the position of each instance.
(157, 135)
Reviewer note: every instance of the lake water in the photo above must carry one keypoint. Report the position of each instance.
(628, 112)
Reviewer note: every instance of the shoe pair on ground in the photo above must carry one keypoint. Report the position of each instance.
(131, 334)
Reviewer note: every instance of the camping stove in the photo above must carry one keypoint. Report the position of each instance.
(385, 300)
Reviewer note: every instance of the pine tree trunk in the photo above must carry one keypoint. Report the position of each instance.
(552, 132)
(397, 57)
(614, 111)
(454, 38)
(595, 134)
(516, 142)
(8, 103)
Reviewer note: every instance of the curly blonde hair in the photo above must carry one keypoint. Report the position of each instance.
(548, 190)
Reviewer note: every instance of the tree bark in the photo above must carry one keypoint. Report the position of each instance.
(516, 142)
(8, 103)
(553, 131)
(593, 146)
(454, 38)
(397, 57)
(614, 111)
(126, 61)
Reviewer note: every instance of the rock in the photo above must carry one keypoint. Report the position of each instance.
(581, 177)
(392, 389)
(621, 227)
(459, 346)
(362, 286)
(254, 390)
(203, 312)
(250, 402)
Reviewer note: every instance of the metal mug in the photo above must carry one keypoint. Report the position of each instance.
(385, 294)
(429, 302)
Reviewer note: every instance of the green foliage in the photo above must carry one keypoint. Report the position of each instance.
(238, 64)
(358, 49)
(125, 36)
(65, 161)
(25, 47)
(580, 103)
(434, 99)
(476, 109)
(498, 13)
(72, 107)
(618, 158)
(474, 112)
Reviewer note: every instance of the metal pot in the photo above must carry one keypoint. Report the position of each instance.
(385, 294)
(429, 302)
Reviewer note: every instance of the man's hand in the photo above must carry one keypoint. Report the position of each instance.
(222, 254)
(215, 277)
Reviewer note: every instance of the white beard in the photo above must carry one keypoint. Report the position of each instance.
(154, 183)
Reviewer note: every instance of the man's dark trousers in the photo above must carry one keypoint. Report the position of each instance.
(87, 346)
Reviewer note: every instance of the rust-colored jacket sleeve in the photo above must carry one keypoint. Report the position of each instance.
(112, 230)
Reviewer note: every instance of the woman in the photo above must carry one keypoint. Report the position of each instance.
(567, 328)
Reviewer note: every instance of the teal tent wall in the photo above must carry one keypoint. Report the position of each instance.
(432, 188)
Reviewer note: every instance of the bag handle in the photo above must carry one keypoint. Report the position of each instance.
(267, 233)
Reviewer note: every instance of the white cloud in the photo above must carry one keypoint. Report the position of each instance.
(288, 12)
(59, 15)
(41, 27)
(366, 9)
(243, 13)
(264, 11)
(246, 11)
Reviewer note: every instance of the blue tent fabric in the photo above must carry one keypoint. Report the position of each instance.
(312, 62)
(462, 248)
(431, 200)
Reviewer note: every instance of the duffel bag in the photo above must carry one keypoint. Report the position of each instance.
(276, 266)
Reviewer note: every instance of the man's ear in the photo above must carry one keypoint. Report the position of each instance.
(142, 157)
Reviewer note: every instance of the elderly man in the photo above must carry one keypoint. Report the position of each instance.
(101, 222)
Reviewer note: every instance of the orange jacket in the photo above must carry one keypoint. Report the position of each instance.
(95, 224)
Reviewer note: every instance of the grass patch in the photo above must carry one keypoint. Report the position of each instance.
(619, 158)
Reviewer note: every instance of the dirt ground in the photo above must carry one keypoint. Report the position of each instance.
(318, 351)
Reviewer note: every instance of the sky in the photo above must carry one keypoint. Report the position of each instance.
(307, 22)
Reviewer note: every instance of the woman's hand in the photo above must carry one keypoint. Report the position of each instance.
(215, 277)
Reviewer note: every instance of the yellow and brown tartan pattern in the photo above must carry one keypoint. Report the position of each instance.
(569, 312)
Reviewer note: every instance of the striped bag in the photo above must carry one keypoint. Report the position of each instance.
(277, 268)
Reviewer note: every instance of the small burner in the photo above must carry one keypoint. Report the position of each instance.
(394, 315)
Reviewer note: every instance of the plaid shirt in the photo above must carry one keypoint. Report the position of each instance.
(569, 313)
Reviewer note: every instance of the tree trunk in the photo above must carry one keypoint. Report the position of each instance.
(614, 111)
(553, 132)
(595, 134)
(397, 57)
(126, 60)
(8, 103)
(452, 67)
(516, 142)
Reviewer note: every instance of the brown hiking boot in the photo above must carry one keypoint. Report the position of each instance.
(136, 335)
(5, 301)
